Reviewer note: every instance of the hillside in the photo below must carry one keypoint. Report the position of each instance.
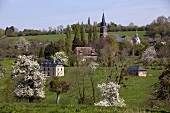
(56, 37)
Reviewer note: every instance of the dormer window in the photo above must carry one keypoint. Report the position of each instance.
(80, 52)
(92, 52)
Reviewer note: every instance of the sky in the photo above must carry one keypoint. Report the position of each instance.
(42, 14)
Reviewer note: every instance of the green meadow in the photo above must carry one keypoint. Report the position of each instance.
(44, 38)
(135, 95)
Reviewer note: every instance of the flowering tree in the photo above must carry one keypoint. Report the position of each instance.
(60, 56)
(24, 42)
(110, 94)
(30, 82)
(148, 55)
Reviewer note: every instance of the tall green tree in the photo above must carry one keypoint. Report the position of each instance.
(95, 31)
(77, 41)
(89, 31)
(83, 34)
(51, 49)
(161, 90)
(68, 42)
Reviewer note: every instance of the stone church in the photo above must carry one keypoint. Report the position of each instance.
(103, 28)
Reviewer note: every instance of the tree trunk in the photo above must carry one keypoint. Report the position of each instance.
(31, 99)
(58, 98)
(93, 89)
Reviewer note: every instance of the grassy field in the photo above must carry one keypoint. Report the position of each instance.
(134, 95)
(131, 34)
(56, 37)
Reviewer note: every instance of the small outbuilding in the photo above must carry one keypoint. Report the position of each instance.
(136, 71)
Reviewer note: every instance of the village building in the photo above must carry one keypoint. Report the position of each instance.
(136, 71)
(52, 68)
(85, 53)
(157, 40)
(136, 39)
(103, 28)
(118, 38)
(103, 31)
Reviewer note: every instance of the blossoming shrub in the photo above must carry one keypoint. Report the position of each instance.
(110, 94)
(30, 82)
(148, 55)
(60, 56)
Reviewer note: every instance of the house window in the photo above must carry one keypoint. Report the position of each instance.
(61, 69)
(48, 69)
(44, 68)
(48, 73)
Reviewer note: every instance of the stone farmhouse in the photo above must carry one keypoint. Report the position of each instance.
(51, 68)
(85, 53)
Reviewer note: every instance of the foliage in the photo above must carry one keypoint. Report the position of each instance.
(30, 83)
(24, 43)
(10, 32)
(77, 41)
(83, 36)
(148, 55)
(68, 42)
(110, 94)
(1, 32)
(95, 31)
(60, 56)
(8, 91)
(89, 31)
(41, 52)
(108, 52)
(51, 49)
(58, 87)
(159, 26)
(161, 90)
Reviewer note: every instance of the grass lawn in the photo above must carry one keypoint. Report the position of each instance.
(134, 95)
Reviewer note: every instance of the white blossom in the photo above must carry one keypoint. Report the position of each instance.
(149, 55)
(60, 56)
(31, 82)
(110, 94)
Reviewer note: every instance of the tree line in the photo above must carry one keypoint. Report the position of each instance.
(159, 27)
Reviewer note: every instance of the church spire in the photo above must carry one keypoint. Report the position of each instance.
(103, 27)
(103, 20)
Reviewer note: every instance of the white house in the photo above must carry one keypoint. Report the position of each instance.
(51, 68)
(136, 39)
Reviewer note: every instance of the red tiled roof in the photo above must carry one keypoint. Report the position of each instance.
(85, 51)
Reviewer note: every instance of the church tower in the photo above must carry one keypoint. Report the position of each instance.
(103, 27)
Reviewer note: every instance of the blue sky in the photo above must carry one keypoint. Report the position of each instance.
(41, 14)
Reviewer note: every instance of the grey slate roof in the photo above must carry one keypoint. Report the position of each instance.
(135, 68)
(50, 63)
(118, 38)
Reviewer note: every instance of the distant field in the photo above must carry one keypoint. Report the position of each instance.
(42, 38)
(131, 34)
(56, 37)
